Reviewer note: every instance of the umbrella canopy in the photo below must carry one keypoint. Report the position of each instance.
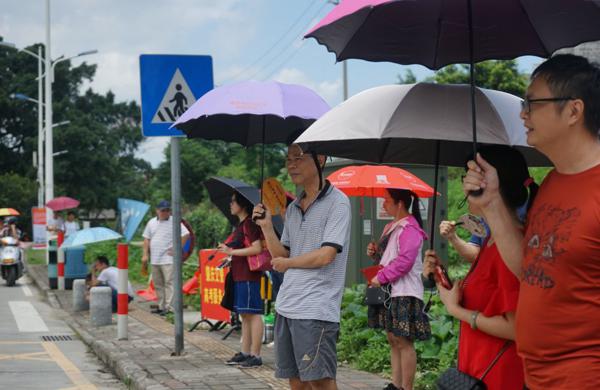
(220, 190)
(90, 236)
(405, 123)
(373, 180)
(62, 203)
(253, 112)
(7, 211)
(436, 33)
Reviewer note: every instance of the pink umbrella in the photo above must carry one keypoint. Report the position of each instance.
(62, 203)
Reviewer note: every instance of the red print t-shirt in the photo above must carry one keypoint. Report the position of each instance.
(558, 315)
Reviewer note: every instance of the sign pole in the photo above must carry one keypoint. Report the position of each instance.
(177, 268)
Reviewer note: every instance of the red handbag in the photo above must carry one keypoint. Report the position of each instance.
(260, 262)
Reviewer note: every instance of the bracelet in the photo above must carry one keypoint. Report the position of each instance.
(473, 321)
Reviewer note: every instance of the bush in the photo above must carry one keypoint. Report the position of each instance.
(209, 224)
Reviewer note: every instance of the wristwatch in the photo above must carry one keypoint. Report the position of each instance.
(473, 321)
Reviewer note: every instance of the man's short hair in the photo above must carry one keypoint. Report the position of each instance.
(71, 213)
(574, 76)
(103, 260)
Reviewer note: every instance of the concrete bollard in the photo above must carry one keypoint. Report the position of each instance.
(79, 301)
(100, 306)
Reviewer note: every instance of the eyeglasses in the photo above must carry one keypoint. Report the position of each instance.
(526, 103)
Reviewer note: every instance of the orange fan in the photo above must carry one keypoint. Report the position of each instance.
(274, 196)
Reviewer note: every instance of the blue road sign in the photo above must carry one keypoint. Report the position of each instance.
(170, 85)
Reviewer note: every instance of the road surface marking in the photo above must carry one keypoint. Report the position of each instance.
(68, 367)
(26, 290)
(27, 317)
(27, 356)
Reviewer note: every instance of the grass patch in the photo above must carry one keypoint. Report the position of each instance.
(35, 256)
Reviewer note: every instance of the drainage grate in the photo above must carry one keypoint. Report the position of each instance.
(57, 338)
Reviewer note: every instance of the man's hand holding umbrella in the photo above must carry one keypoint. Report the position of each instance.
(263, 218)
(482, 175)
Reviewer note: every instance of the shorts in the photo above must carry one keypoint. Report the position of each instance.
(246, 298)
(114, 299)
(305, 349)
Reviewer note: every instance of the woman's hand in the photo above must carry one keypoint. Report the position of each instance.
(429, 263)
(375, 282)
(224, 249)
(448, 229)
(371, 249)
(451, 298)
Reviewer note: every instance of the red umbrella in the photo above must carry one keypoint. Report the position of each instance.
(372, 180)
(62, 203)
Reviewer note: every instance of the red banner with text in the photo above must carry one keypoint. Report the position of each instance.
(212, 285)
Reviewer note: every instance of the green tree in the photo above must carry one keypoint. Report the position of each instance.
(100, 141)
(494, 74)
(408, 77)
(201, 159)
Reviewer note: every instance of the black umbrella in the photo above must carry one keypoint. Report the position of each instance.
(220, 190)
(437, 33)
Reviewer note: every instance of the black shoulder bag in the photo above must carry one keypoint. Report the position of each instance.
(453, 379)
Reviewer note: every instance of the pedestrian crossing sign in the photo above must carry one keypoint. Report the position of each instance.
(170, 84)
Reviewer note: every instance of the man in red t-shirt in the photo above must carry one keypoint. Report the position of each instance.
(557, 258)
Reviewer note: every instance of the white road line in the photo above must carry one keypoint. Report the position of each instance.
(26, 290)
(27, 317)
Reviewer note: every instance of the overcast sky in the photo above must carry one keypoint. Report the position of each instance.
(248, 39)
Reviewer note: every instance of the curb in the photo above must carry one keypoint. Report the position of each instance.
(131, 374)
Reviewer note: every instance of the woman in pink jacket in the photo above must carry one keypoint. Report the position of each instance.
(399, 253)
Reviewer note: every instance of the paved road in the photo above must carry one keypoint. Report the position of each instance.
(27, 361)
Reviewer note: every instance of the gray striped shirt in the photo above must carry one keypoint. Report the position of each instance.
(316, 294)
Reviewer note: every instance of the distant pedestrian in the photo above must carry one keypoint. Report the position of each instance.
(56, 223)
(103, 274)
(71, 224)
(158, 246)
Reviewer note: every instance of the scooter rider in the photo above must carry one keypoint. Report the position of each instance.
(10, 228)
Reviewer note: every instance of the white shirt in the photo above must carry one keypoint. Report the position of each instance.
(110, 276)
(71, 227)
(58, 223)
(160, 234)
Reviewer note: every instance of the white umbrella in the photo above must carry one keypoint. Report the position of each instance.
(404, 124)
(90, 236)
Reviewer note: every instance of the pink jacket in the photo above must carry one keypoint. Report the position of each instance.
(402, 260)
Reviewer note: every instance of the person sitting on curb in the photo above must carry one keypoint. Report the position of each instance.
(108, 276)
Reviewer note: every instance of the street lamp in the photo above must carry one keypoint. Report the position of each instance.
(49, 166)
(39, 102)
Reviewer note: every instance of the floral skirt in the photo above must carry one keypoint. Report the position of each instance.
(404, 317)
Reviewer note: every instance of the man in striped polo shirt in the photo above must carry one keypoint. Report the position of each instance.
(158, 245)
(312, 253)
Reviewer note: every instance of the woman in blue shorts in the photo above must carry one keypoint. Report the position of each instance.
(247, 300)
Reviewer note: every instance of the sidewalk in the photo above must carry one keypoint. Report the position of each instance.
(145, 362)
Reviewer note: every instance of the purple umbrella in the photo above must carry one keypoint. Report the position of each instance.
(252, 112)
